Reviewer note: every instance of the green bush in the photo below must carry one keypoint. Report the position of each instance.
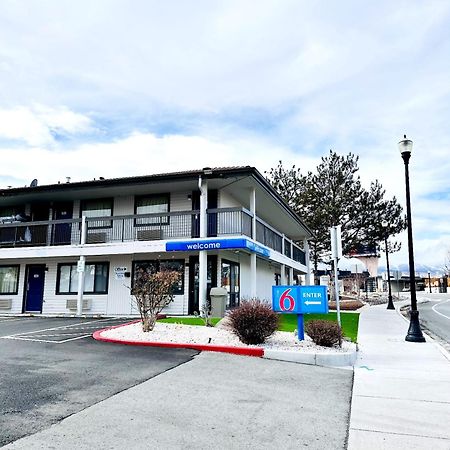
(253, 322)
(324, 332)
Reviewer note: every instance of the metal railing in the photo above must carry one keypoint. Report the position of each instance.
(298, 254)
(142, 227)
(268, 236)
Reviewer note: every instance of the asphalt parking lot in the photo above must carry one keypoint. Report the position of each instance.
(51, 368)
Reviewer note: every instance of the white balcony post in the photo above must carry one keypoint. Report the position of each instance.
(80, 269)
(307, 262)
(253, 255)
(203, 254)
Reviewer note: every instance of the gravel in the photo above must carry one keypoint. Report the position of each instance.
(220, 335)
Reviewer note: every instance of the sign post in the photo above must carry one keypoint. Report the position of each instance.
(300, 300)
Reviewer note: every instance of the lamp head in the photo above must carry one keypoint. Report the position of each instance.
(384, 224)
(405, 146)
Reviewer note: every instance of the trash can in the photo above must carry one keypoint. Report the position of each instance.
(218, 301)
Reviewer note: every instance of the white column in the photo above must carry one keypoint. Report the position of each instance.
(253, 211)
(253, 255)
(203, 254)
(283, 274)
(291, 275)
(80, 269)
(307, 261)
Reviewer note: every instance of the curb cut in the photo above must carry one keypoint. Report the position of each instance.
(318, 359)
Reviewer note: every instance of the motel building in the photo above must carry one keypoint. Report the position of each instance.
(71, 248)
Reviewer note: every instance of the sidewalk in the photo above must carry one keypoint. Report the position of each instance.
(401, 393)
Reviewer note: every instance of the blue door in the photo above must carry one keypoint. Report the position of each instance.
(34, 288)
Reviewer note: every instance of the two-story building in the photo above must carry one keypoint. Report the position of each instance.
(74, 247)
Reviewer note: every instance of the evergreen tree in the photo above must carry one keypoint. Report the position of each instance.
(333, 195)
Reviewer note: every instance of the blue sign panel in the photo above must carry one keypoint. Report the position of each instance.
(285, 299)
(313, 299)
(216, 244)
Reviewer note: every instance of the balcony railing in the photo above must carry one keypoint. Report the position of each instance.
(144, 227)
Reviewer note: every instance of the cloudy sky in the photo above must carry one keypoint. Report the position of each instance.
(117, 88)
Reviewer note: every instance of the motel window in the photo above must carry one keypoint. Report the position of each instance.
(9, 280)
(156, 266)
(152, 204)
(102, 207)
(95, 278)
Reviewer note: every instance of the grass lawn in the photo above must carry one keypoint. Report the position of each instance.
(189, 320)
(349, 322)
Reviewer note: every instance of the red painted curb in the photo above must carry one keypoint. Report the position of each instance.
(251, 351)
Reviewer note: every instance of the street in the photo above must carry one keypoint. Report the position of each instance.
(435, 316)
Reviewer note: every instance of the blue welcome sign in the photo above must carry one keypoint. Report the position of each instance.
(300, 300)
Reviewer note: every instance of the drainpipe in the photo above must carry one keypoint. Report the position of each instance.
(80, 269)
(203, 254)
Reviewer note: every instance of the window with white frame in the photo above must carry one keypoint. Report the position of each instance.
(9, 280)
(95, 278)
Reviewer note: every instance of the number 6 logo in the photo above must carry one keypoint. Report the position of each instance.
(286, 297)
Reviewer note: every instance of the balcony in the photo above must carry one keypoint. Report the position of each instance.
(143, 227)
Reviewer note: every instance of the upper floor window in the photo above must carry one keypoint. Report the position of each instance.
(153, 204)
(102, 207)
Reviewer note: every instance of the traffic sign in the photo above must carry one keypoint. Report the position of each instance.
(313, 299)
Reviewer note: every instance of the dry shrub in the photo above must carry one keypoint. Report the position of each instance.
(253, 322)
(324, 332)
(347, 305)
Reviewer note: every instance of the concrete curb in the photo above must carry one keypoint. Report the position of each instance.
(319, 359)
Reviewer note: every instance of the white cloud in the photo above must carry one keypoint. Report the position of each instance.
(35, 125)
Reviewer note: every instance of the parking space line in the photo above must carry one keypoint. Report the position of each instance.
(74, 339)
(55, 328)
(15, 338)
(14, 320)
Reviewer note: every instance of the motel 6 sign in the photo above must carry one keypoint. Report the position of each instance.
(300, 300)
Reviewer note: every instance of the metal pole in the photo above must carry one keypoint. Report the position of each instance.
(81, 268)
(336, 292)
(429, 280)
(390, 302)
(414, 331)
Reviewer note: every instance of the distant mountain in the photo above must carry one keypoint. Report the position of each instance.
(421, 269)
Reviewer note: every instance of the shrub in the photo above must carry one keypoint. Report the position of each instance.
(253, 321)
(347, 305)
(324, 332)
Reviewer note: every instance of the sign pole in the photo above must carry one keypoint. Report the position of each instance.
(300, 327)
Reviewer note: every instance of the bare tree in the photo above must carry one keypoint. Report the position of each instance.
(153, 292)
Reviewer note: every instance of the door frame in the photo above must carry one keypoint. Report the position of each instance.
(25, 291)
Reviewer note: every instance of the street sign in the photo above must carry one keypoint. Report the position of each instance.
(313, 299)
(300, 300)
(285, 299)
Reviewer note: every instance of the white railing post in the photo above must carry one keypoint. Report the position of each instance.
(80, 268)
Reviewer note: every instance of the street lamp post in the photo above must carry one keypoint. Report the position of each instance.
(414, 331)
(390, 305)
(429, 280)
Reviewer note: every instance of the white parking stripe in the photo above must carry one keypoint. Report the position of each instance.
(55, 328)
(437, 312)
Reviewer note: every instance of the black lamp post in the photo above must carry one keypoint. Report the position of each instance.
(390, 305)
(414, 331)
(429, 280)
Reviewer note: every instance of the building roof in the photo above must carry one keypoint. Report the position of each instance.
(210, 173)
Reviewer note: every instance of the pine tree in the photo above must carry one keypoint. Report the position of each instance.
(333, 195)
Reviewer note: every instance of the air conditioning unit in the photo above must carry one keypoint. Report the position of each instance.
(5, 303)
(96, 238)
(149, 235)
(71, 303)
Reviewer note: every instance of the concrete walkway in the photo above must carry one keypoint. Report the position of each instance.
(401, 393)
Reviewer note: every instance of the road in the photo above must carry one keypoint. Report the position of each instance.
(100, 395)
(51, 368)
(435, 316)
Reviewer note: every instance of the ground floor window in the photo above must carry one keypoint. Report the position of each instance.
(9, 279)
(230, 281)
(157, 265)
(95, 278)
